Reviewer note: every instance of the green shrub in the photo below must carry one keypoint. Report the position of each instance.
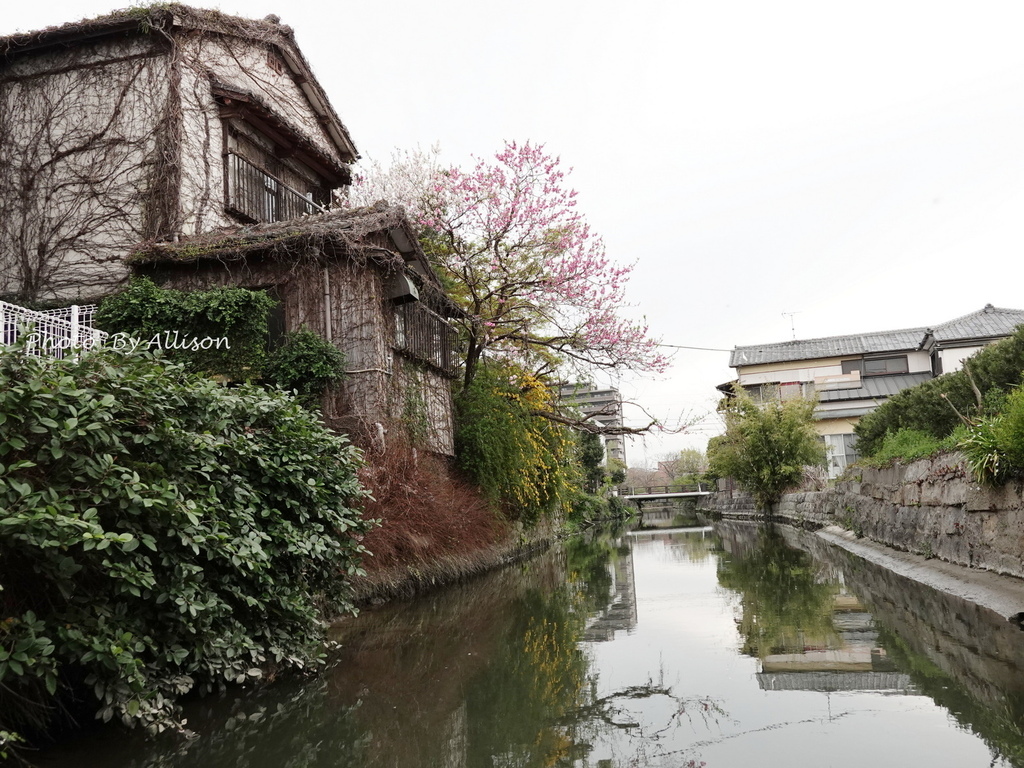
(984, 456)
(518, 459)
(161, 534)
(766, 446)
(172, 320)
(305, 364)
(906, 445)
(932, 407)
(994, 446)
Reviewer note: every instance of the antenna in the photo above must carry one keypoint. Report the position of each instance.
(792, 325)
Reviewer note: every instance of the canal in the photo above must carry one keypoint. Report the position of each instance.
(727, 646)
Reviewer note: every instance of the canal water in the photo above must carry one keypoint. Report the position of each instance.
(729, 646)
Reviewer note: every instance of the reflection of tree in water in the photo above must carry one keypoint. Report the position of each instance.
(785, 605)
(537, 703)
(587, 560)
(491, 673)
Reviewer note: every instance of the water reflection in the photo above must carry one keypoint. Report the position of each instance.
(799, 619)
(966, 658)
(654, 648)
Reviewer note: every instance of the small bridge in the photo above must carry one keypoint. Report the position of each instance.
(652, 492)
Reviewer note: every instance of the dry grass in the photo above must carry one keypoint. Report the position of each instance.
(428, 515)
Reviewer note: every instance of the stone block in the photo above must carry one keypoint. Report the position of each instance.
(980, 498)
(931, 494)
(954, 492)
(916, 472)
(912, 495)
(984, 498)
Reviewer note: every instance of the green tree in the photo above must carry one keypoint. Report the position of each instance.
(766, 446)
(591, 458)
(519, 460)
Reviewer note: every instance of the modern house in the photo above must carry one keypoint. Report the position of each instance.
(199, 148)
(852, 375)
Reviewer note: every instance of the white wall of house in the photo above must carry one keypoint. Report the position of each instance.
(919, 362)
(245, 65)
(953, 359)
(140, 144)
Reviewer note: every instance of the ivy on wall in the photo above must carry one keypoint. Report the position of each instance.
(220, 331)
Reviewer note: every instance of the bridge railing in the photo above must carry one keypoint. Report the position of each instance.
(52, 333)
(653, 490)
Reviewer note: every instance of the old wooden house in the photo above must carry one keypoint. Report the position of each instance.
(358, 278)
(200, 149)
(152, 124)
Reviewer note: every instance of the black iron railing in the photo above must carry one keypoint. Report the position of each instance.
(256, 194)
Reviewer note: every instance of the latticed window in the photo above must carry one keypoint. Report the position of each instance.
(425, 336)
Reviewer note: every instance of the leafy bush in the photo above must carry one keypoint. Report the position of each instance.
(932, 407)
(173, 320)
(906, 445)
(518, 459)
(305, 364)
(994, 446)
(766, 446)
(161, 534)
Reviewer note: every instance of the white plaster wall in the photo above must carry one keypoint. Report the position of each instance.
(918, 362)
(241, 64)
(953, 359)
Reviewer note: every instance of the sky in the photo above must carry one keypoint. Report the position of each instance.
(774, 170)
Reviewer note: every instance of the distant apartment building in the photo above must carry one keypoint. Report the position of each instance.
(603, 406)
(852, 375)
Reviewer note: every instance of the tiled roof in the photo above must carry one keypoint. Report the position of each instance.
(875, 387)
(985, 323)
(831, 346)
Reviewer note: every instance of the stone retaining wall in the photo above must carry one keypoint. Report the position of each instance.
(930, 507)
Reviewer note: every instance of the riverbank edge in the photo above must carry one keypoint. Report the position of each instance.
(413, 579)
(929, 507)
(925, 520)
(1000, 593)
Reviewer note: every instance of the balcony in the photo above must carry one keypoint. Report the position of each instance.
(256, 195)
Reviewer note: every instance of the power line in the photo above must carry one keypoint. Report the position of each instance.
(703, 349)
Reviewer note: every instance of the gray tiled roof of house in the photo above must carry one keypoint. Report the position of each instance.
(985, 323)
(874, 387)
(831, 346)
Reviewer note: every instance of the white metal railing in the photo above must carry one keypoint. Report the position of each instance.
(51, 333)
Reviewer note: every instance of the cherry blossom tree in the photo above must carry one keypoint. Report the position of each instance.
(534, 279)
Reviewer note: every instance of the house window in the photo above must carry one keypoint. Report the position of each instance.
(263, 187)
(886, 365)
(786, 390)
(841, 453)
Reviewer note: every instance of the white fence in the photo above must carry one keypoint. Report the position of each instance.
(52, 333)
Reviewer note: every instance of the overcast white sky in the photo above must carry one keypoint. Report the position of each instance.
(833, 167)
